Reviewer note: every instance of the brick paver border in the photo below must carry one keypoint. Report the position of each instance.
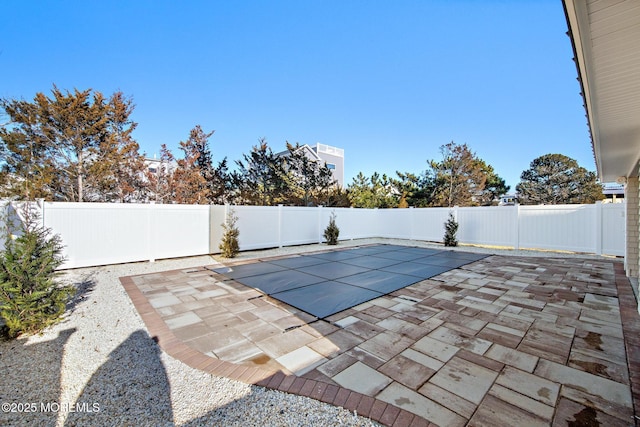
(631, 331)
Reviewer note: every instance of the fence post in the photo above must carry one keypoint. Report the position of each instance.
(411, 234)
(280, 225)
(319, 223)
(599, 228)
(516, 245)
(151, 235)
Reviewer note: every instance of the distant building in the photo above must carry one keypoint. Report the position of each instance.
(613, 193)
(333, 157)
(508, 200)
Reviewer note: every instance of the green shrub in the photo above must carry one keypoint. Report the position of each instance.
(332, 231)
(31, 296)
(229, 244)
(451, 228)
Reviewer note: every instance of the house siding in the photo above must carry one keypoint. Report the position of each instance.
(632, 195)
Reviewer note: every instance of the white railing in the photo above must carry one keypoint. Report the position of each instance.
(102, 233)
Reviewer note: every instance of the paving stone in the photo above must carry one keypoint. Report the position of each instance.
(366, 357)
(496, 412)
(609, 407)
(337, 365)
(238, 351)
(259, 331)
(407, 399)
(386, 345)
(436, 349)
(192, 331)
(216, 293)
(465, 379)
(572, 413)
(301, 360)
(511, 357)
(546, 345)
(422, 359)
(407, 371)
(598, 386)
(158, 301)
(344, 340)
(601, 346)
(225, 337)
(344, 322)
(600, 316)
(449, 336)
(587, 361)
(182, 320)
(467, 322)
(281, 344)
(402, 327)
(523, 402)
(499, 337)
(364, 329)
(483, 306)
(449, 400)
(480, 360)
(203, 343)
(324, 346)
(529, 385)
(269, 313)
(363, 379)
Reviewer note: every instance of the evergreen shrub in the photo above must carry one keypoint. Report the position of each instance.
(332, 231)
(229, 244)
(451, 228)
(31, 295)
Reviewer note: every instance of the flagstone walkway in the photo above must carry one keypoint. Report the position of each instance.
(501, 341)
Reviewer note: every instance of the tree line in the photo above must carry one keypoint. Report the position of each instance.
(78, 147)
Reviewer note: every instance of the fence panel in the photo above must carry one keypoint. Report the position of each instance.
(259, 227)
(177, 231)
(395, 223)
(299, 225)
(558, 227)
(109, 233)
(353, 223)
(428, 223)
(490, 225)
(613, 228)
(98, 234)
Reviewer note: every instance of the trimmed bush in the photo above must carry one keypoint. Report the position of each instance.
(451, 228)
(229, 244)
(31, 296)
(332, 231)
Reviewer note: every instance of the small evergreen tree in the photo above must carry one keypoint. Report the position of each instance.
(31, 296)
(229, 244)
(451, 228)
(332, 231)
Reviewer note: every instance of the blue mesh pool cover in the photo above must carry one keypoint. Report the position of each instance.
(326, 283)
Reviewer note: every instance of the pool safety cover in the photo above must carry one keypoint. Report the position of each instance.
(326, 283)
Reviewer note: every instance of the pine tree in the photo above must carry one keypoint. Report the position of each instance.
(229, 244)
(31, 296)
(451, 228)
(332, 231)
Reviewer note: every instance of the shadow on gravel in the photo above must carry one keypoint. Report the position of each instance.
(84, 286)
(131, 388)
(30, 380)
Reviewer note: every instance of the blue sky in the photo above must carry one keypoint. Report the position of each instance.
(388, 81)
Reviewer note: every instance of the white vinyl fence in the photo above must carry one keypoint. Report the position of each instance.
(104, 233)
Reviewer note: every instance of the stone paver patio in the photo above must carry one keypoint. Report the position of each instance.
(502, 341)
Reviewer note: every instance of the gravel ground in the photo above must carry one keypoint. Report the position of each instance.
(100, 366)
